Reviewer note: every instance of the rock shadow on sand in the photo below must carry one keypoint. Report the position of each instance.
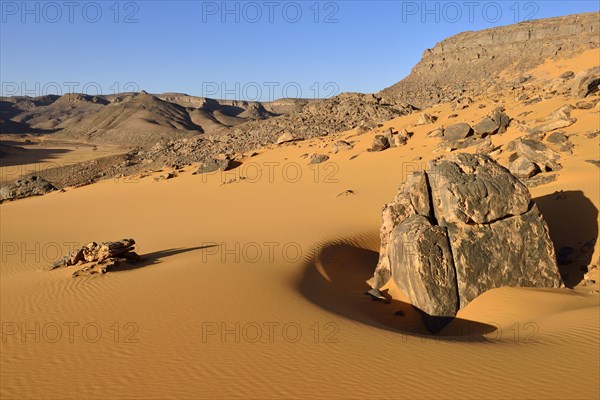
(335, 279)
(572, 220)
(154, 258)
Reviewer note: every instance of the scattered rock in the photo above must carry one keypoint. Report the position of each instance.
(532, 101)
(462, 103)
(587, 83)
(594, 162)
(485, 127)
(485, 147)
(285, 138)
(168, 175)
(341, 145)
(318, 158)
(213, 165)
(539, 153)
(567, 75)
(560, 118)
(501, 119)
(24, 187)
(425, 119)
(397, 139)
(539, 180)
(436, 133)
(346, 193)
(592, 135)
(458, 131)
(523, 168)
(380, 143)
(557, 138)
(584, 105)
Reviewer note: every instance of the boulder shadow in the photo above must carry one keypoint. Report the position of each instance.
(572, 220)
(154, 258)
(335, 280)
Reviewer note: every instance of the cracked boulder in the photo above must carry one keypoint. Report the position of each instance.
(458, 229)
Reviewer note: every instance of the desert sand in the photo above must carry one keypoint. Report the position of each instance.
(254, 288)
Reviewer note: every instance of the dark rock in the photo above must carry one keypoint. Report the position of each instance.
(464, 226)
(592, 135)
(538, 153)
(425, 119)
(523, 168)
(567, 75)
(539, 180)
(485, 127)
(587, 83)
(584, 105)
(557, 138)
(560, 118)
(423, 267)
(346, 193)
(214, 164)
(318, 158)
(380, 143)
(285, 138)
(24, 187)
(501, 119)
(594, 162)
(341, 145)
(457, 131)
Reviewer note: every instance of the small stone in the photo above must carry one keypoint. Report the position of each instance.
(318, 158)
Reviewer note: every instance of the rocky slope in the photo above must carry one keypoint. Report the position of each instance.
(471, 62)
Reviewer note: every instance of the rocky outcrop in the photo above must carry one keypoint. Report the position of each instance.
(560, 118)
(94, 258)
(442, 74)
(25, 187)
(586, 83)
(214, 164)
(463, 226)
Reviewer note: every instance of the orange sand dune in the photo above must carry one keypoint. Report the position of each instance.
(254, 289)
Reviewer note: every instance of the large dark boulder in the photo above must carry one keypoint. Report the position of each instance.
(457, 131)
(463, 226)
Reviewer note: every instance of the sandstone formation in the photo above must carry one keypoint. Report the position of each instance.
(463, 226)
(441, 75)
(94, 258)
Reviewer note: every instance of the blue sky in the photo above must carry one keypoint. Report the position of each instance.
(247, 49)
